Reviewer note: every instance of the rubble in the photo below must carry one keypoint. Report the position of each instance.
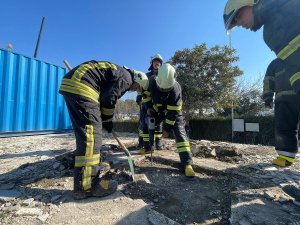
(234, 182)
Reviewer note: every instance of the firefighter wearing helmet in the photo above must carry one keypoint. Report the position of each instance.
(91, 91)
(281, 32)
(166, 108)
(142, 99)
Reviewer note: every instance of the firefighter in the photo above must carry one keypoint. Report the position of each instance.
(280, 20)
(155, 63)
(287, 111)
(167, 108)
(91, 91)
(281, 28)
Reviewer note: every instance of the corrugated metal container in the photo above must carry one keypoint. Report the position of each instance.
(29, 98)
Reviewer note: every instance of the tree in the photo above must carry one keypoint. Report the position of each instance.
(206, 77)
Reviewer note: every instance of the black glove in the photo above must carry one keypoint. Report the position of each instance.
(108, 126)
(269, 103)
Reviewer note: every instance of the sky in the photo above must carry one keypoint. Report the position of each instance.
(125, 32)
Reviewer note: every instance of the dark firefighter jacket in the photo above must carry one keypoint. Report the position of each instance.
(277, 81)
(144, 96)
(280, 19)
(100, 81)
(167, 105)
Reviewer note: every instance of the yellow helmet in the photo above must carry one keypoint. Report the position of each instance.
(140, 78)
(166, 77)
(231, 9)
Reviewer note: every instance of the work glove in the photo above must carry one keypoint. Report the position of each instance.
(108, 126)
(269, 104)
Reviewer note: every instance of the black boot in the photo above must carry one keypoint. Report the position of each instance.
(158, 144)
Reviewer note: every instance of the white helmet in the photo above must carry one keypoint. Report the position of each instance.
(231, 9)
(140, 78)
(166, 76)
(157, 57)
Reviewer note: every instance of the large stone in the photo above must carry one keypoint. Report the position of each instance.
(156, 218)
(29, 212)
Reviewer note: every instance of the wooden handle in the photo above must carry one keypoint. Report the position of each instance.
(121, 144)
(67, 64)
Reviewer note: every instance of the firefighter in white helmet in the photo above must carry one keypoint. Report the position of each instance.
(142, 99)
(166, 107)
(280, 21)
(91, 91)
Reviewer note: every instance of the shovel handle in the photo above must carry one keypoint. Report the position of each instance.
(67, 65)
(121, 144)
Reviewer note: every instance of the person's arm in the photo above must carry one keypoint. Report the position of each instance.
(109, 97)
(174, 107)
(269, 85)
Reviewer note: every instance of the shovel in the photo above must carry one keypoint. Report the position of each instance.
(129, 158)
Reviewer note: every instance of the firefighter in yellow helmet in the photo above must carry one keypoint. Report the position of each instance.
(280, 21)
(91, 91)
(144, 97)
(166, 107)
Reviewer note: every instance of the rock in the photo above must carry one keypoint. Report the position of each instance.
(29, 212)
(28, 202)
(44, 157)
(272, 168)
(11, 208)
(43, 217)
(141, 178)
(156, 218)
(9, 195)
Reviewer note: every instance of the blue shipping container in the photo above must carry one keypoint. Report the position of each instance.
(29, 98)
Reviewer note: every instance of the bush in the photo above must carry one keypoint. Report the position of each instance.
(219, 129)
(126, 126)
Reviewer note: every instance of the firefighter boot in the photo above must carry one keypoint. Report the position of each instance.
(158, 144)
(140, 144)
(283, 161)
(189, 172)
(143, 151)
(103, 188)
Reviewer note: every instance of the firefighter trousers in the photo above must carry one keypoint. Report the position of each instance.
(87, 126)
(287, 114)
(157, 135)
(182, 141)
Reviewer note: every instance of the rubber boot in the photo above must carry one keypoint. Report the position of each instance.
(189, 172)
(158, 144)
(143, 151)
(140, 144)
(281, 162)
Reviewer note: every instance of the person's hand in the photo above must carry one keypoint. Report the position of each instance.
(108, 126)
(165, 134)
(139, 103)
(269, 104)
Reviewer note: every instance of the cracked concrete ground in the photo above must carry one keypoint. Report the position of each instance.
(235, 184)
